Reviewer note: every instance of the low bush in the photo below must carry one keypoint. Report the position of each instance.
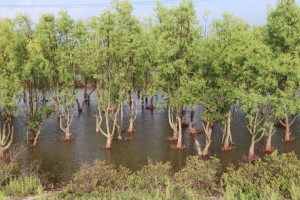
(151, 176)
(98, 177)
(200, 175)
(21, 187)
(277, 176)
(153, 181)
(10, 167)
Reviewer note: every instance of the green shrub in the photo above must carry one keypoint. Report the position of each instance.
(10, 167)
(295, 191)
(200, 175)
(98, 177)
(2, 195)
(131, 194)
(151, 176)
(23, 186)
(277, 176)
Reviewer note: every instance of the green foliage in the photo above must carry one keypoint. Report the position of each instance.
(197, 179)
(7, 170)
(33, 122)
(200, 175)
(24, 186)
(98, 177)
(283, 26)
(177, 36)
(151, 176)
(276, 176)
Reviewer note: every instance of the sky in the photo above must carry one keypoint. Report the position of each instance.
(252, 11)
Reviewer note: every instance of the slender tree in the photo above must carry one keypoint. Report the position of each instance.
(9, 84)
(34, 74)
(177, 32)
(283, 27)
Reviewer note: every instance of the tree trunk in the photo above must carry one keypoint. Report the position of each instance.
(208, 132)
(192, 128)
(68, 136)
(86, 96)
(130, 128)
(251, 155)
(226, 145)
(1, 153)
(143, 102)
(268, 144)
(179, 141)
(200, 152)
(268, 147)
(175, 131)
(36, 137)
(78, 105)
(58, 114)
(6, 134)
(287, 137)
(182, 115)
(121, 123)
(108, 142)
(151, 107)
(146, 101)
(97, 124)
(131, 112)
(191, 125)
(66, 127)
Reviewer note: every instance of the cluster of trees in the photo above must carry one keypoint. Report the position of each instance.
(126, 60)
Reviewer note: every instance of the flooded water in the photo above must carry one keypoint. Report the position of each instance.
(62, 159)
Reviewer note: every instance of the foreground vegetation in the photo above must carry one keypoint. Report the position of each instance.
(270, 178)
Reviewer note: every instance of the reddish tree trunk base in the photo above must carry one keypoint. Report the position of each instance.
(194, 131)
(68, 138)
(268, 150)
(203, 155)
(31, 137)
(249, 158)
(150, 107)
(120, 137)
(108, 143)
(2, 155)
(125, 138)
(226, 146)
(172, 138)
(288, 138)
(180, 147)
(184, 125)
(130, 130)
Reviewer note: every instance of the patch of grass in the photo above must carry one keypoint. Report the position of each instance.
(24, 186)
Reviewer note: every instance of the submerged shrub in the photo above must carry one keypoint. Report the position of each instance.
(98, 177)
(276, 175)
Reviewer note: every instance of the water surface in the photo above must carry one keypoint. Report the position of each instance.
(62, 159)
